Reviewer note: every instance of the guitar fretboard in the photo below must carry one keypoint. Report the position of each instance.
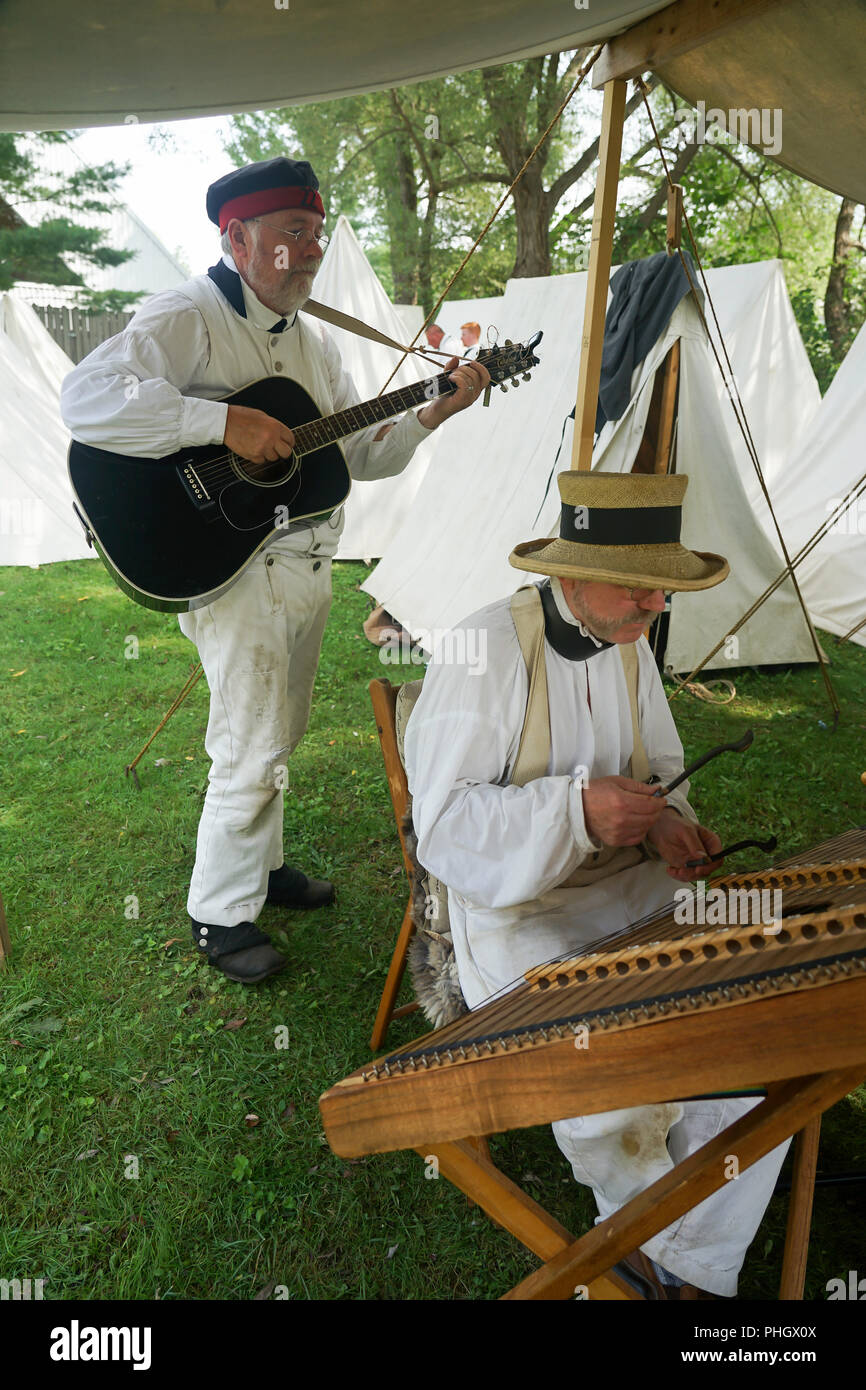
(357, 417)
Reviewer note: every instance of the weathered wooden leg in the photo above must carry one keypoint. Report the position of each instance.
(670, 382)
(800, 1211)
(393, 981)
(788, 1107)
(5, 943)
(509, 1206)
(598, 275)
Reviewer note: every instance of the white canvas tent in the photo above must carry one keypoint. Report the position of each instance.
(488, 479)
(716, 517)
(347, 281)
(830, 461)
(37, 524)
(23, 326)
(771, 367)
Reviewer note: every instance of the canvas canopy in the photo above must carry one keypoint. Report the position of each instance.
(107, 64)
(37, 524)
(485, 489)
(347, 281)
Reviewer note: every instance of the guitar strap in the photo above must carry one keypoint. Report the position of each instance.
(356, 326)
(228, 282)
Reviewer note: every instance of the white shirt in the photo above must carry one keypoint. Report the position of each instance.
(154, 388)
(502, 850)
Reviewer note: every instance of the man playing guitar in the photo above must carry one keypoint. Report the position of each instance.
(155, 388)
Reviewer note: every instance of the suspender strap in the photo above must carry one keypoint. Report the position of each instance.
(639, 765)
(533, 753)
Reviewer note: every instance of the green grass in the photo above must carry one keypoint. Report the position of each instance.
(113, 1036)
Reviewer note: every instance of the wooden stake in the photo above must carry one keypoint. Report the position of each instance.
(675, 217)
(600, 255)
(5, 945)
(667, 412)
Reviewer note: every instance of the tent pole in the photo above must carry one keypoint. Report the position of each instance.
(600, 255)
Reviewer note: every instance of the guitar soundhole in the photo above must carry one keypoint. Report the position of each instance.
(265, 474)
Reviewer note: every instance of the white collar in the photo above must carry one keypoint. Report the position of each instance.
(258, 314)
(566, 613)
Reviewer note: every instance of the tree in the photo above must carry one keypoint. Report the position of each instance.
(845, 297)
(38, 252)
(420, 169)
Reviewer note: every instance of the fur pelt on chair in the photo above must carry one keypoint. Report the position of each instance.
(431, 952)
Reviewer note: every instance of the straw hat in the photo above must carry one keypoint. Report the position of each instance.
(622, 528)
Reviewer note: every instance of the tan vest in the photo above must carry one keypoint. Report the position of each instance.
(533, 753)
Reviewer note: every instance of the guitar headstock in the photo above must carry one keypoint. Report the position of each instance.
(508, 359)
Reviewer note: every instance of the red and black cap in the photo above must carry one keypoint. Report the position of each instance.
(261, 188)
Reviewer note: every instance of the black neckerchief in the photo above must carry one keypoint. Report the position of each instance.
(565, 638)
(228, 282)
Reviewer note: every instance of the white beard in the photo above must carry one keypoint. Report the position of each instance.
(296, 295)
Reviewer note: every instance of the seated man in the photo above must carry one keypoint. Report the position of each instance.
(547, 865)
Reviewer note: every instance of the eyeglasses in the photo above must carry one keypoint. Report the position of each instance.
(302, 237)
(641, 595)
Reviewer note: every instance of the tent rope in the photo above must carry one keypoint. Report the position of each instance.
(732, 389)
(853, 630)
(431, 317)
(705, 691)
(199, 671)
(805, 550)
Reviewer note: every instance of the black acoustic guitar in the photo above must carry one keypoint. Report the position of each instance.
(177, 532)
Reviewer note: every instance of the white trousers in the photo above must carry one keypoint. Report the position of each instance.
(259, 645)
(621, 1152)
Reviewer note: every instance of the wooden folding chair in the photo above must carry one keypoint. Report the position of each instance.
(384, 698)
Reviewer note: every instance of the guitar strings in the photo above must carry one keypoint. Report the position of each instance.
(511, 999)
(223, 474)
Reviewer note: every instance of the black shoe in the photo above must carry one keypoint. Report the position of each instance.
(288, 887)
(242, 953)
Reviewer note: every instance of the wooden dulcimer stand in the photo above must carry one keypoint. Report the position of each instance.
(662, 1012)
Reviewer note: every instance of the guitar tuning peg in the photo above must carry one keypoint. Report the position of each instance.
(514, 381)
(508, 342)
(525, 376)
(503, 387)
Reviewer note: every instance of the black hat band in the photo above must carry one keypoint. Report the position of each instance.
(620, 525)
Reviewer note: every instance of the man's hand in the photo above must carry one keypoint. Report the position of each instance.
(620, 811)
(256, 436)
(678, 840)
(470, 378)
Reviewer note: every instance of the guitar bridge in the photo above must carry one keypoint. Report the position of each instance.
(194, 487)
